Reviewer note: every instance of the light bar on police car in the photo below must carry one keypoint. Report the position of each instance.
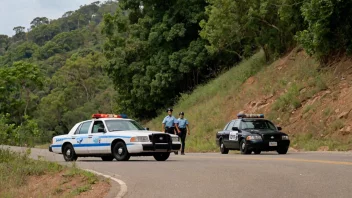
(243, 115)
(109, 116)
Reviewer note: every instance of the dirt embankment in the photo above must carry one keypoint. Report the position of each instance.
(305, 99)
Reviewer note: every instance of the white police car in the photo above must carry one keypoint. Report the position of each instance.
(112, 136)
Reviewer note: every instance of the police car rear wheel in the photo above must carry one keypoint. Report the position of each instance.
(161, 156)
(107, 158)
(120, 152)
(223, 149)
(69, 153)
(243, 147)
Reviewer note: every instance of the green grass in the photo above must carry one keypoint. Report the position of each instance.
(81, 189)
(209, 107)
(309, 142)
(204, 108)
(289, 101)
(16, 168)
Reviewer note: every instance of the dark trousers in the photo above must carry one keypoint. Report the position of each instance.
(182, 135)
(170, 130)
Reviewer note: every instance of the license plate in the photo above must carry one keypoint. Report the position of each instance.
(272, 143)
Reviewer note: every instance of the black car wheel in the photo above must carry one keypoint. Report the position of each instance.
(69, 153)
(223, 149)
(120, 152)
(282, 150)
(107, 158)
(161, 156)
(243, 147)
(257, 152)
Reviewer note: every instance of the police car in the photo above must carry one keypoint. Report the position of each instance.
(252, 133)
(112, 136)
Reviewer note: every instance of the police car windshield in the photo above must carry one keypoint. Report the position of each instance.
(123, 125)
(257, 124)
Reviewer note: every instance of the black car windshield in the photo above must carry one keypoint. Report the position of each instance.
(257, 124)
(123, 125)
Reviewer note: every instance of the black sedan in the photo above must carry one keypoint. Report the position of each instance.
(252, 133)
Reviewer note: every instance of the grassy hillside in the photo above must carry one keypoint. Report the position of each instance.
(22, 176)
(311, 103)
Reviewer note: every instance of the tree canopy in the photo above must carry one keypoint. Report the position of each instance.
(138, 57)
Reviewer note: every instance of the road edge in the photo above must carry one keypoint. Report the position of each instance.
(123, 186)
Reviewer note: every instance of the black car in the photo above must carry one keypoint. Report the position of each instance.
(252, 133)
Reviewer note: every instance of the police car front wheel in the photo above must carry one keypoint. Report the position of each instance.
(161, 156)
(244, 148)
(120, 152)
(223, 149)
(282, 150)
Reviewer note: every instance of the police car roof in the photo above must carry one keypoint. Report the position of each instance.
(111, 119)
(245, 119)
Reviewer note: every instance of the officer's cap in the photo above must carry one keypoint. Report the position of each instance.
(182, 113)
(169, 109)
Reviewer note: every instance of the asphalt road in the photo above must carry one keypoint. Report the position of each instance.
(306, 174)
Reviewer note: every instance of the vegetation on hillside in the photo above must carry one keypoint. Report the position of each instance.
(53, 75)
(19, 176)
(138, 57)
(293, 92)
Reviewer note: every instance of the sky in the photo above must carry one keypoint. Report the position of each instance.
(21, 12)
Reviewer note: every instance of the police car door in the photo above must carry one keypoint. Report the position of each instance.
(227, 133)
(236, 134)
(97, 142)
(233, 135)
(80, 138)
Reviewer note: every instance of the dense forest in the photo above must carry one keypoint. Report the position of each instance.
(137, 57)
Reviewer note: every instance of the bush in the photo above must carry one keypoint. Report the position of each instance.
(26, 134)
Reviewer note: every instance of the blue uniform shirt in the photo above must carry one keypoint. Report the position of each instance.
(182, 123)
(169, 121)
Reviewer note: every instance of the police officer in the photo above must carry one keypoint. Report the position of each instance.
(183, 126)
(170, 124)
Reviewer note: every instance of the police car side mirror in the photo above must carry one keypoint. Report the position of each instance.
(235, 128)
(279, 128)
(146, 128)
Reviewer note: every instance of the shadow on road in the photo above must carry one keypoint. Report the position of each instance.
(136, 160)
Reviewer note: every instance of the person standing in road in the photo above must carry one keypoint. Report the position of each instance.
(170, 124)
(183, 126)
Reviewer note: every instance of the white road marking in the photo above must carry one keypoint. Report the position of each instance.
(123, 186)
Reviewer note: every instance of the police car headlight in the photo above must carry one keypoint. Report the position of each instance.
(140, 139)
(175, 139)
(285, 137)
(254, 137)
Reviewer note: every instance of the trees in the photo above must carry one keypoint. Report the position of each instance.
(19, 33)
(238, 28)
(67, 85)
(4, 44)
(18, 85)
(155, 52)
(80, 87)
(329, 27)
(43, 33)
(36, 22)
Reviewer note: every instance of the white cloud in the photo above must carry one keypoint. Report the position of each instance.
(21, 12)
